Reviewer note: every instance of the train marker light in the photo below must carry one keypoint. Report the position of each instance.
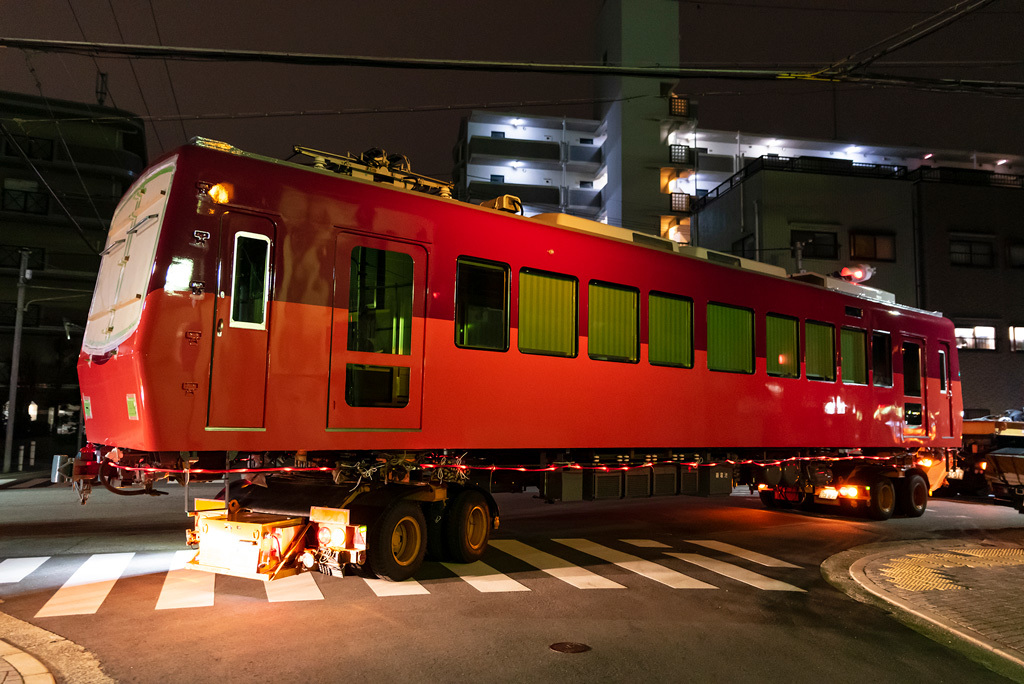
(857, 274)
(220, 193)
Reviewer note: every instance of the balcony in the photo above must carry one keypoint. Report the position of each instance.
(536, 153)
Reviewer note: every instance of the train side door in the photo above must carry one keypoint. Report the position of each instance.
(377, 330)
(945, 422)
(915, 414)
(238, 369)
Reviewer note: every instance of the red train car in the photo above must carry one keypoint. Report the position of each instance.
(350, 316)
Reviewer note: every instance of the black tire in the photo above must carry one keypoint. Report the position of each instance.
(913, 496)
(467, 527)
(398, 542)
(768, 498)
(883, 499)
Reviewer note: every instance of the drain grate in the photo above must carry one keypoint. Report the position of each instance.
(569, 647)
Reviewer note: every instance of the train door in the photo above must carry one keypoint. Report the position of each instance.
(915, 413)
(238, 370)
(377, 334)
(945, 423)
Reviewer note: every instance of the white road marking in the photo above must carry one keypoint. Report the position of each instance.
(186, 588)
(645, 568)
(739, 552)
(409, 587)
(484, 578)
(30, 483)
(17, 569)
(301, 587)
(734, 572)
(646, 543)
(554, 566)
(88, 587)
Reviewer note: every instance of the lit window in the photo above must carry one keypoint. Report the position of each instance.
(820, 341)
(977, 337)
(670, 330)
(612, 323)
(782, 333)
(547, 313)
(970, 252)
(1016, 338)
(730, 338)
(873, 247)
(853, 350)
(380, 302)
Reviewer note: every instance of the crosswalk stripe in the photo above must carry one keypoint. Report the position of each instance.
(646, 543)
(555, 566)
(484, 578)
(17, 569)
(186, 588)
(29, 483)
(645, 568)
(88, 587)
(753, 556)
(734, 572)
(409, 587)
(301, 587)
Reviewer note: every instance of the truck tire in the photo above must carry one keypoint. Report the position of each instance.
(768, 498)
(398, 542)
(467, 527)
(913, 496)
(883, 499)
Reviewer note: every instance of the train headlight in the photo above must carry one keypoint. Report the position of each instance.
(220, 192)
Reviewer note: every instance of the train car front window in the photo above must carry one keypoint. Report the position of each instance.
(380, 302)
(249, 281)
(820, 341)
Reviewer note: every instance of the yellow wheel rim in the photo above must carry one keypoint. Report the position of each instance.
(406, 540)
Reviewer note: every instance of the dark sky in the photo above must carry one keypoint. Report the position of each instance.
(763, 32)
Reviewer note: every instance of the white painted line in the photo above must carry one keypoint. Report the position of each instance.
(17, 569)
(301, 587)
(6, 480)
(88, 587)
(554, 566)
(646, 543)
(645, 568)
(186, 588)
(409, 587)
(739, 552)
(484, 578)
(734, 572)
(30, 483)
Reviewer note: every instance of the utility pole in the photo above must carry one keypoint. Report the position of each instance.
(19, 317)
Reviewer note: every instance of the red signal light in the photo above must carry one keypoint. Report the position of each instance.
(857, 274)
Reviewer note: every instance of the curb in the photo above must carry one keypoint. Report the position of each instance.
(31, 670)
(65, 661)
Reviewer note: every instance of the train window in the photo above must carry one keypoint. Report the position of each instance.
(249, 282)
(481, 305)
(380, 386)
(380, 302)
(670, 330)
(612, 322)
(881, 359)
(730, 338)
(820, 341)
(943, 371)
(853, 350)
(547, 313)
(911, 369)
(783, 350)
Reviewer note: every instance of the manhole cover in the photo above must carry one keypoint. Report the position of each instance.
(569, 647)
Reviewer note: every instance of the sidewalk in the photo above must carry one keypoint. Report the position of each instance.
(967, 595)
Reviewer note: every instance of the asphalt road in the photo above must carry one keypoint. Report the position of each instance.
(662, 589)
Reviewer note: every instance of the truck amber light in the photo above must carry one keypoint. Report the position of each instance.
(925, 462)
(761, 487)
(323, 535)
(220, 193)
(848, 491)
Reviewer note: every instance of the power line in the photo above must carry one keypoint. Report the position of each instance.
(167, 69)
(135, 75)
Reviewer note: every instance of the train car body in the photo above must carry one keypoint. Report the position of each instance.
(251, 306)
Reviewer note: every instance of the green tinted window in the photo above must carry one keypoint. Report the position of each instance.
(612, 322)
(670, 330)
(783, 348)
(730, 339)
(547, 313)
(380, 302)
(820, 340)
(853, 348)
(481, 305)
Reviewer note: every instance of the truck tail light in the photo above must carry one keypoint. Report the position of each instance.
(848, 491)
(323, 535)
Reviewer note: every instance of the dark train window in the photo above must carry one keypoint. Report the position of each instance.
(481, 305)
(547, 313)
(783, 346)
(820, 341)
(730, 338)
(380, 386)
(249, 282)
(853, 351)
(943, 371)
(613, 322)
(881, 359)
(670, 330)
(380, 302)
(911, 369)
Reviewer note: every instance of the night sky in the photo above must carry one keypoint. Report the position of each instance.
(218, 100)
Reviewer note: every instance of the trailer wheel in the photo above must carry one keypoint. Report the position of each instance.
(398, 542)
(913, 496)
(883, 499)
(768, 498)
(467, 527)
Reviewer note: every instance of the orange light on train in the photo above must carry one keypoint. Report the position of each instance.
(220, 193)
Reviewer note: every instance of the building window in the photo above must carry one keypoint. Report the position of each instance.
(783, 350)
(586, 141)
(547, 313)
(976, 337)
(34, 148)
(1016, 338)
(872, 246)
(670, 330)
(820, 341)
(730, 338)
(497, 178)
(613, 322)
(1016, 254)
(881, 359)
(481, 305)
(586, 185)
(498, 134)
(968, 252)
(815, 244)
(25, 197)
(853, 350)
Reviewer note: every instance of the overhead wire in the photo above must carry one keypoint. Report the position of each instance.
(135, 75)
(167, 70)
